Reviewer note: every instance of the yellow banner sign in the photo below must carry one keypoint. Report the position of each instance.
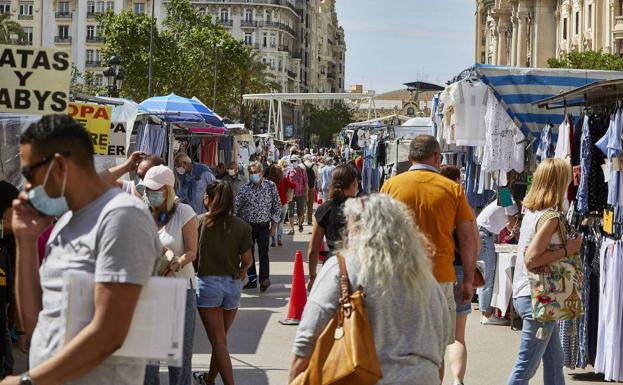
(34, 80)
(96, 119)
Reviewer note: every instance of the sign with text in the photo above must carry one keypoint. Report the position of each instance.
(96, 119)
(116, 144)
(34, 80)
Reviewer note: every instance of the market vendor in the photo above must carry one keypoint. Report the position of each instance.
(193, 178)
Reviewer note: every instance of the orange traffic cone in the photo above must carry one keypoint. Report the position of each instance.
(298, 293)
(321, 256)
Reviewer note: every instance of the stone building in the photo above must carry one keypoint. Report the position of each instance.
(529, 32)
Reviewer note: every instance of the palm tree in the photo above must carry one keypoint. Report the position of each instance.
(8, 28)
(254, 77)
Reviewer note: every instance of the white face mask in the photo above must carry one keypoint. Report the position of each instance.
(232, 172)
(181, 170)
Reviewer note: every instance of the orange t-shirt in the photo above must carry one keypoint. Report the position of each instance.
(438, 205)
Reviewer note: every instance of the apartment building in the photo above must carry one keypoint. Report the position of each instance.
(529, 32)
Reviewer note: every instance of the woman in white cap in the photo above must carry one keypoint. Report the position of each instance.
(177, 228)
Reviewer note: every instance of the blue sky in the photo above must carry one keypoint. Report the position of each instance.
(391, 42)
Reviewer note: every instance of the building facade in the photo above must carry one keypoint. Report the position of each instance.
(529, 32)
(299, 40)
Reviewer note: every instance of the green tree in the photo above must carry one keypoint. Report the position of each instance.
(594, 60)
(327, 122)
(84, 83)
(254, 78)
(10, 28)
(188, 50)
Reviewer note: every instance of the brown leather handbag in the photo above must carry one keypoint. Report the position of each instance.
(344, 353)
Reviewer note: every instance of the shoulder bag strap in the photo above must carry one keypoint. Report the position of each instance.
(551, 214)
(344, 287)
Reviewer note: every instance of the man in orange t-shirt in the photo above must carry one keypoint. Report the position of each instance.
(439, 206)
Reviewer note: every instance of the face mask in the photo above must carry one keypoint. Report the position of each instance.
(308, 164)
(155, 198)
(255, 178)
(232, 172)
(41, 201)
(180, 170)
(295, 164)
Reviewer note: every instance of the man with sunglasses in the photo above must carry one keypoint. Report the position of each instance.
(91, 235)
(258, 204)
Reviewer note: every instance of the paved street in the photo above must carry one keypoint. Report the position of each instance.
(260, 346)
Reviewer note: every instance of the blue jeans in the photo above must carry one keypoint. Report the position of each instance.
(183, 375)
(532, 350)
(489, 257)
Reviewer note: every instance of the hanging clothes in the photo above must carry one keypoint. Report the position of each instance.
(209, 152)
(470, 106)
(546, 146)
(609, 360)
(151, 139)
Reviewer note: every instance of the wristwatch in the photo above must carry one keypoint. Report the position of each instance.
(24, 379)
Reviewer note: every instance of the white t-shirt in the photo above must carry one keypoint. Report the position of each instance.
(470, 107)
(172, 238)
(494, 217)
(563, 146)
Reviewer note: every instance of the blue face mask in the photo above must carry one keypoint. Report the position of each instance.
(155, 198)
(255, 178)
(43, 203)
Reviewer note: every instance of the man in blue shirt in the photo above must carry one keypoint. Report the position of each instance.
(193, 180)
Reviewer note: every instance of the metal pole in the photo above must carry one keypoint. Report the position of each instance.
(214, 86)
(151, 47)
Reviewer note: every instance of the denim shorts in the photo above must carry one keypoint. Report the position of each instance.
(461, 308)
(219, 291)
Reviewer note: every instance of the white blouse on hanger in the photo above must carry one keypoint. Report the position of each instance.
(503, 151)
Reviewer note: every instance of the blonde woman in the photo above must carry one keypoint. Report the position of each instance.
(407, 309)
(177, 230)
(540, 246)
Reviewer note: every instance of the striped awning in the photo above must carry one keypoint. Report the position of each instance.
(518, 88)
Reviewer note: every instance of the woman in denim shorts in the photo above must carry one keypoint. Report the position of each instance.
(224, 257)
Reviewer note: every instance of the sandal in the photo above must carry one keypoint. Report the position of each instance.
(200, 378)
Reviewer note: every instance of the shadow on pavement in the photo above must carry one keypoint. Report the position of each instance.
(588, 377)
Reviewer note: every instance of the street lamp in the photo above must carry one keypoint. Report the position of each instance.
(114, 76)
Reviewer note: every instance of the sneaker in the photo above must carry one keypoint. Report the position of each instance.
(265, 285)
(250, 285)
(279, 243)
(493, 320)
(291, 232)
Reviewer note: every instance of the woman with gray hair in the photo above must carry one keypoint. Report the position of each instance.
(406, 307)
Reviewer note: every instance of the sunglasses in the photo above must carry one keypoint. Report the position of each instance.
(27, 171)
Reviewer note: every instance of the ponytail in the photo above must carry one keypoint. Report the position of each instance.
(221, 198)
(342, 178)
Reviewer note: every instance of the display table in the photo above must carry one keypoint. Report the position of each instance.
(503, 285)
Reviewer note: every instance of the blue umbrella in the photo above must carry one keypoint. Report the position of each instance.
(177, 109)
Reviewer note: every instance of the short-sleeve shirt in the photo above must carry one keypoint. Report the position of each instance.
(438, 205)
(221, 246)
(114, 238)
(330, 217)
(172, 238)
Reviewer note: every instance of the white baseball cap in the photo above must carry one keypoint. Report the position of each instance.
(294, 158)
(158, 176)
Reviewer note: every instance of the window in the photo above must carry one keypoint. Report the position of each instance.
(248, 38)
(63, 7)
(268, 16)
(565, 28)
(577, 23)
(248, 15)
(90, 32)
(98, 30)
(99, 80)
(139, 7)
(97, 55)
(25, 9)
(90, 7)
(273, 41)
(63, 31)
(101, 6)
(89, 55)
(265, 42)
(224, 14)
(110, 5)
(5, 8)
(28, 33)
(590, 16)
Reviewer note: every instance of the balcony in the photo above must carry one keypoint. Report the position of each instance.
(93, 63)
(283, 3)
(618, 24)
(283, 48)
(248, 24)
(63, 15)
(93, 14)
(225, 23)
(291, 74)
(24, 17)
(62, 39)
(95, 39)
